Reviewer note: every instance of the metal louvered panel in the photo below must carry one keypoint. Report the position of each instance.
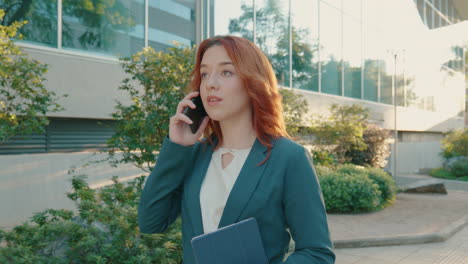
(64, 135)
(24, 144)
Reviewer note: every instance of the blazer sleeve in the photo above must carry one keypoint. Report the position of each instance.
(160, 201)
(305, 212)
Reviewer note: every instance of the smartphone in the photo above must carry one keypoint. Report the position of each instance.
(196, 115)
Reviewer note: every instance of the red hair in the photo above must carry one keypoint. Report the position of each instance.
(260, 82)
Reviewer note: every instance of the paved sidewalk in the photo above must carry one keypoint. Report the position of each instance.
(411, 224)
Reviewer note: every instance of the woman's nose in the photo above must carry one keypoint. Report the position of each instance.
(212, 82)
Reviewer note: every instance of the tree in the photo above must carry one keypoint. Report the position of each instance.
(142, 126)
(295, 107)
(343, 129)
(24, 101)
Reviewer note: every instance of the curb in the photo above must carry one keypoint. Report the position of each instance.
(440, 236)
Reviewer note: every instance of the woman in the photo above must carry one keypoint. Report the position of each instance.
(245, 167)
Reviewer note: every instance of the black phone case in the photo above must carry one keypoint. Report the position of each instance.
(196, 115)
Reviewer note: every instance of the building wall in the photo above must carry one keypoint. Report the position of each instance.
(91, 82)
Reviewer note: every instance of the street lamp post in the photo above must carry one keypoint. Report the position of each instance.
(395, 53)
(395, 129)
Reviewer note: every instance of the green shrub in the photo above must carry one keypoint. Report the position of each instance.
(345, 193)
(104, 231)
(323, 170)
(459, 168)
(323, 158)
(351, 169)
(441, 173)
(341, 197)
(386, 183)
(455, 144)
(377, 148)
(343, 129)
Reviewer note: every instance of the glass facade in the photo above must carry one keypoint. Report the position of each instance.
(347, 48)
(110, 28)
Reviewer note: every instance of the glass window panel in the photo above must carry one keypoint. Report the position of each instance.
(352, 57)
(234, 18)
(330, 52)
(429, 16)
(169, 21)
(371, 49)
(105, 27)
(272, 35)
(352, 8)
(334, 3)
(41, 16)
(386, 68)
(305, 44)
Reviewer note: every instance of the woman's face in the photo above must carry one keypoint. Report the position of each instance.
(223, 93)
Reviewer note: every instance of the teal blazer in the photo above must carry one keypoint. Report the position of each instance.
(283, 194)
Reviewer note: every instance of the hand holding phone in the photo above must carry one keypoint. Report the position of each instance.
(196, 115)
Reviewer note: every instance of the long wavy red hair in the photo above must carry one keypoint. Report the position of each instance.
(260, 82)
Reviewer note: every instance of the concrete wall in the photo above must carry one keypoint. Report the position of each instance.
(91, 82)
(408, 119)
(30, 183)
(414, 156)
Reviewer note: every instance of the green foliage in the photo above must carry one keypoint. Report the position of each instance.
(377, 148)
(323, 157)
(455, 144)
(344, 129)
(349, 188)
(24, 101)
(105, 231)
(294, 109)
(445, 174)
(459, 168)
(346, 193)
(142, 126)
(386, 183)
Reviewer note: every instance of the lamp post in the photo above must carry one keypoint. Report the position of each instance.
(395, 53)
(395, 129)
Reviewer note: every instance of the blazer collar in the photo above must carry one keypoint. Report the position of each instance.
(240, 194)
(245, 185)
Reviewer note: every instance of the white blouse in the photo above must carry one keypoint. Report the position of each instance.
(217, 185)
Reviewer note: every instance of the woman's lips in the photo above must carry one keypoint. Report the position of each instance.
(213, 100)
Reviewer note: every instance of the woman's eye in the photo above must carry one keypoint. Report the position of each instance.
(227, 73)
(203, 75)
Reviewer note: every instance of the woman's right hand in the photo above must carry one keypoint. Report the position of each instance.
(179, 129)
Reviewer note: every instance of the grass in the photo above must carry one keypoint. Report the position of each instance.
(445, 174)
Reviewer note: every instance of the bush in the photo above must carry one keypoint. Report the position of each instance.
(386, 183)
(104, 231)
(455, 144)
(441, 173)
(346, 193)
(343, 129)
(322, 170)
(459, 168)
(156, 84)
(377, 148)
(294, 108)
(323, 158)
(24, 100)
(340, 196)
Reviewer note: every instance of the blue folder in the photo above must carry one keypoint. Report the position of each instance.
(239, 243)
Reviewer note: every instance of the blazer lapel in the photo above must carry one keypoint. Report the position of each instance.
(245, 184)
(193, 188)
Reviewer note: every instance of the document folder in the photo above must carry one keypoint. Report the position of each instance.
(239, 243)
